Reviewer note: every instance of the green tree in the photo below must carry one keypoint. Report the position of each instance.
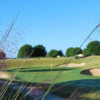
(53, 53)
(94, 47)
(60, 53)
(77, 51)
(25, 51)
(69, 52)
(73, 51)
(39, 51)
(86, 52)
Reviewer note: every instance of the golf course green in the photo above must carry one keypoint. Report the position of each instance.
(67, 79)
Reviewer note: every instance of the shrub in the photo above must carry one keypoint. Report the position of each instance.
(2, 55)
(39, 51)
(25, 51)
(76, 57)
(2, 62)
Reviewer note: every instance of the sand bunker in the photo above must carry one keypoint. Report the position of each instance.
(4, 75)
(72, 65)
(93, 72)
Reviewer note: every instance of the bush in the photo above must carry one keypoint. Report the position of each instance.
(2, 62)
(25, 51)
(73, 51)
(39, 51)
(94, 47)
(76, 57)
(2, 55)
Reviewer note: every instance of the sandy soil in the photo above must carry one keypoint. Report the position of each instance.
(4, 75)
(72, 65)
(95, 72)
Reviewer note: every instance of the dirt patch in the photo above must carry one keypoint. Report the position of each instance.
(4, 75)
(72, 65)
(93, 72)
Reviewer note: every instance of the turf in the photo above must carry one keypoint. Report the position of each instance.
(45, 71)
(35, 62)
(33, 72)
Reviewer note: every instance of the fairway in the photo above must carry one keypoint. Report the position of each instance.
(45, 70)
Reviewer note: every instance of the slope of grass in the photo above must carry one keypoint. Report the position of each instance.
(45, 71)
(35, 62)
(40, 70)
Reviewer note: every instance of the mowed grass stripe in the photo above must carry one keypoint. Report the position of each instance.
(32, 68)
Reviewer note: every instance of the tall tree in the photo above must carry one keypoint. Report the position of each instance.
(94, 47)
(25, 51)
(39, 51)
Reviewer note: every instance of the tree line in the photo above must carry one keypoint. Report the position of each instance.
(27, 51)
(93, 48)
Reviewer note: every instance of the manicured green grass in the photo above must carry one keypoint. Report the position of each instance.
(45, 71)
(46, 75)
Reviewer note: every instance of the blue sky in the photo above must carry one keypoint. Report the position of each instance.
(56, 24)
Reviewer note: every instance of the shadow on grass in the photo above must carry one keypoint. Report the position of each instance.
(41, 70)
(66, 89)
(86, 72)
(26, 68)
(83, 87)
(84, 83)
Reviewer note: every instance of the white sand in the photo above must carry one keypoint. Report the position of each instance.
(4, 75)
(95, 72)
(72, 65)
